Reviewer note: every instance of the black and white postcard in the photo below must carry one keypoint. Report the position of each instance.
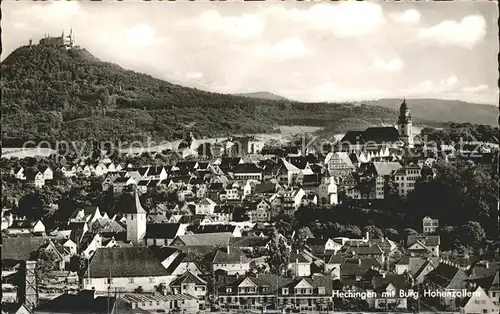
(250, 157)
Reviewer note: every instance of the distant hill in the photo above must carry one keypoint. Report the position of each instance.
(445, 110)
(52, 94)
(262, 95)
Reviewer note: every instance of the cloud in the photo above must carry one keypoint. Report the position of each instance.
(141, 34)
(434, 87)
(346, 19)
(465, 33)
(410, 16)
(243, 26)
(193, 76)
(475, 89)
(287, 48)
(392, 65)
(56, 11)
(449, 82)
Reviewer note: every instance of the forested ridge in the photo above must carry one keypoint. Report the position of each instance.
(52, 94)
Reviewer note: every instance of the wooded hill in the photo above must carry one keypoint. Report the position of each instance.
(53, 94)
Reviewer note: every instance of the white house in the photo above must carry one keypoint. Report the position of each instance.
(18, 173)
(406, 177)
(205, 206)
(190, 284)
(120, 183)
(34, 177)
(292, 200)
(261, 212)
(328, 191)
(47, 173)
(300, 264)
(232, 260)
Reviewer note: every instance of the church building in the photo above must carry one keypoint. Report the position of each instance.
(374, 138)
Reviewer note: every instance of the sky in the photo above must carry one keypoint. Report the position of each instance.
(304, 51)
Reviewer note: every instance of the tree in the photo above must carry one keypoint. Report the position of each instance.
(472, 234)
(78, 264)
(46, 263)
(409, 231)
(300, 238)
(392, 234)
(374, 232)
(279, 254)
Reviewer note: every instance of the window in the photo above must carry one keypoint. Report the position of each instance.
(109, 280)
(131, 280)
(151, 280)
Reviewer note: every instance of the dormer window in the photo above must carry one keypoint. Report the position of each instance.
(321, 290)
(229, 290)
(285, 291)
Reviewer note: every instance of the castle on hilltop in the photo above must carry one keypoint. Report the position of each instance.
(65, 42)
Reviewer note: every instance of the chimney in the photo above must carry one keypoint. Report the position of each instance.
(359, 261)
(367, 236)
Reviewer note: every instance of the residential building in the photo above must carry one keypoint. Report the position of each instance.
(406, 178)
(205, 206)
(163, 233)
(266, 290)
(479, 302)
(429, 225)
(425, 245)
(125, 269)
(190, 284)
(231, 260)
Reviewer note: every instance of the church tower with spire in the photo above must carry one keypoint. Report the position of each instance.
(136, 221)
(405, 125)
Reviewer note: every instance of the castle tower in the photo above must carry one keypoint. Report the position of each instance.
(405, 125)
(136, 221)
